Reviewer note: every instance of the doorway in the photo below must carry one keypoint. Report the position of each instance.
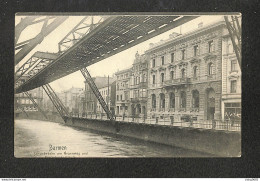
(210, 104)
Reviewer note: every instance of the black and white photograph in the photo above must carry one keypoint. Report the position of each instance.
(127, 85)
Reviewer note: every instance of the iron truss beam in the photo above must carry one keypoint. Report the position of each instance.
(22, 109)
(35, 104)
(38, 61)
(103, 43)
(95, 90)
(234, 28)
(56, 101)
(86, 25)
(26, 46)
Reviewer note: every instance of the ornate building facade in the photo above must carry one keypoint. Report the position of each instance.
(122, 92)
(185, 75)
(138, 87)
(231, 80)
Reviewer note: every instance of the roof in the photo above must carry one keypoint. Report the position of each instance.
(163, 43)
(124, 70)
(103, 81)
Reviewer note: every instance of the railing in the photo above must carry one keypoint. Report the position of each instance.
(177, 81)
(171, 110)
(226, 125)
(140, 85)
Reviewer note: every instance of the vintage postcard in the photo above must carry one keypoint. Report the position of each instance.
(127, 85)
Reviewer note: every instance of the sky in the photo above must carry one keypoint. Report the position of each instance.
(108, 66)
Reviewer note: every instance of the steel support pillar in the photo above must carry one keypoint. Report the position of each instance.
(35, 104)
(56, 101)
(22, 109)
(234, 30)
(95, 90)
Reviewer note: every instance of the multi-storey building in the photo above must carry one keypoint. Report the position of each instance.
(122, 92)
(231, 80)
(72, 98)
(23, 101)
(138, 87)
(108, 93)
(185, 75)
(91, 100)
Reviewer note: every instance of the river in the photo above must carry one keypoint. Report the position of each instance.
(35, 138)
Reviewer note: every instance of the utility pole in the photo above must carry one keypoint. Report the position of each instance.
(108, 98)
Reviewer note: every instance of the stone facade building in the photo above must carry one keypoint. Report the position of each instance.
(138, 87)
(185, 75)
(122, 92)
(108, 94)
(231, 80)
(23, 101)
(91, 100)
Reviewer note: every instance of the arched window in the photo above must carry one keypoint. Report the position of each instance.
(195, 99)
(162, 77)
(183, 73)
(162, 100)
(117, 86)
(172, 100)
(195, 71)
(172, 75)
(210, 68)
(153, 101)
(183, 99)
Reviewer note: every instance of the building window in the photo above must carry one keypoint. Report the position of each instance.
(172, 100)
(233, 86)
(195, 71)
(233, 109)
(162, 101)
(183, 54)
(233, 65)
(121, 97)
(210, 68)
(210, 46)
(195, 99)
(117, 86)
(183, 73)
(153, 62)
(162, 77)
(153, 79)
(172, 57)
(153, 101)
(117, 97)
(172, 75)
(196, 50)
(183, 100)
(162, 60)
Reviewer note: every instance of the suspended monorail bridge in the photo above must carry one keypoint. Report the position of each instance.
(107, 37)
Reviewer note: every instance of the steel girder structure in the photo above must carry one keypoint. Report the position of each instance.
(22, 109)
(56, 101)
(86, 25)
(38, 61)
(113, 35)
(35, 104)
(25, 47)
(95, 90)
(234, 28)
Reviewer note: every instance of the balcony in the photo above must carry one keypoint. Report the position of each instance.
(194, 109)
(139, 99)
(171, 110)
(179, 81)
(140, 85)
(162, 109)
